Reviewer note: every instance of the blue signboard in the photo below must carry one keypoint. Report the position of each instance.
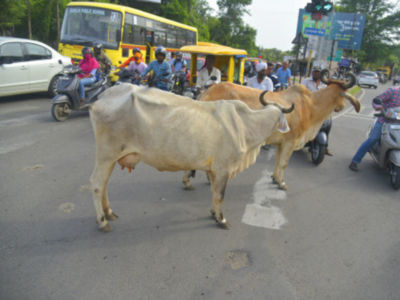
(348, 30)
(314, 31)
(344, 62)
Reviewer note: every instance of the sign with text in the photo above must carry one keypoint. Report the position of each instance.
(348, 30)
(344, 62)
(314, 31)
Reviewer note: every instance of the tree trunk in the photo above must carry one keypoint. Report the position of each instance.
(29, 20)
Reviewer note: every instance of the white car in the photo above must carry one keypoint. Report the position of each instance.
(368, 78)
(28, 66)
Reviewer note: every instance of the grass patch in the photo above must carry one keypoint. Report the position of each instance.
(355, 90)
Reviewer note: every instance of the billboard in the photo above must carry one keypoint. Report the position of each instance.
(346, 28)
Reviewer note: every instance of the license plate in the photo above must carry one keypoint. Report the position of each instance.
(64, 78)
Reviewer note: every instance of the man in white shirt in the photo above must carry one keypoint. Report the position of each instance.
(203, 79)
(261, 81)
(313, 83)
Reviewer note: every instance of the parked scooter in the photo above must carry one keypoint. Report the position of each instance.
(68, 100)
(318, 145)
(386, 152)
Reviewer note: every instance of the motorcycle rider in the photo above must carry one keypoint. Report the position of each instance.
(138, 64)
(314, 84)
(206, 73)
(104, 61)
(248, 70)
(273, 77)
(390, 99)
(159, 67)
(178, 64)
(90, 67)
(130, 59)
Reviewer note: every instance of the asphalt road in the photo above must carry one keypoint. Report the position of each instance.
(333, 235)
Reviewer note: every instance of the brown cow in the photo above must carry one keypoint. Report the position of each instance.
(312, 109)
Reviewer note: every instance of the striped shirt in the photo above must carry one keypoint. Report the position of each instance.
(158, 71)
(390, 99)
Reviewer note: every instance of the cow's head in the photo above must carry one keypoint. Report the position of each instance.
(342, 87)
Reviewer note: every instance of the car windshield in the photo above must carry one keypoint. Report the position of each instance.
(369, 74)
(88, 25)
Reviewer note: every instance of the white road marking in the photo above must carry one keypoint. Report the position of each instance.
(26, 120)
(260, 212)
(13, 145)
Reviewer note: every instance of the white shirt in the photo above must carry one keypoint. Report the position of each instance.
(265, 85)
(202, 78)
(310, 84)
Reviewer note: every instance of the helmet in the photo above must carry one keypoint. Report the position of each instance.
(247, 64)
(98, 46)
(179, 53)
(136, 49)
(87, 50)
(161, 50)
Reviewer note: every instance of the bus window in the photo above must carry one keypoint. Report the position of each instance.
(181, 38)
(159, 38)
(171, 40)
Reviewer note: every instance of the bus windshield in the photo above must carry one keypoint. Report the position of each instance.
(88, 25)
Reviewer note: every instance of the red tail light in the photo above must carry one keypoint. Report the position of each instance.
(72, 61)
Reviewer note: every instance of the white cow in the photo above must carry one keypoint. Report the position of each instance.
(174, 133)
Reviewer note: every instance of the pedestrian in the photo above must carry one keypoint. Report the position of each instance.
(275, 80)
(261, 81)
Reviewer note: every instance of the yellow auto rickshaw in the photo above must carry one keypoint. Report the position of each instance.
(229, 61)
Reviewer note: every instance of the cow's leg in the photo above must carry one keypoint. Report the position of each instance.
(98, 184)
(286, 153)
(277, 157)
(186, 180)
(218, 186)
(110, 215)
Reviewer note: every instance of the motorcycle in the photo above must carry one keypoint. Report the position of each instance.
(125, 76)
(192, 93)
(386, 152)
(318, 145)
(67, 98)
(178, 83)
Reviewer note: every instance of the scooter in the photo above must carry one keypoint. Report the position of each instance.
(318, 145)
(386, 152)
(125, 76)
(178, 84)
(192, 93)
(67, 98)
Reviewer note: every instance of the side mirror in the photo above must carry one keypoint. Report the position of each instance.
(377, 101)
(213, 78)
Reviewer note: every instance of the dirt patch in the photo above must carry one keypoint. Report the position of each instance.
(238, 259)
(35, 167)
(67, 207)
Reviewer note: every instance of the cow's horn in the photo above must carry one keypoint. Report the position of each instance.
(351, 82)
(353, 100)
(324, 76)
(263, 102)
(288, 110)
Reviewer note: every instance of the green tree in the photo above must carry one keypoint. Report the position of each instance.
(11, 15)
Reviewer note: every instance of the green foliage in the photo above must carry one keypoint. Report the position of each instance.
(11, 14)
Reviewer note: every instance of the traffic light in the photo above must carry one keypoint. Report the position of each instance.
(319, 6)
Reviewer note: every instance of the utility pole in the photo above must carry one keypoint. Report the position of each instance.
(29, 20)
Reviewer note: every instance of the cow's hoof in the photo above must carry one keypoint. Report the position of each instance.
(112, 217)
(283, 187)
(274, 180)
(106, 228)
(224, 225)
(189, 188)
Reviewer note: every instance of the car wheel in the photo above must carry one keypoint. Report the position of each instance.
(53, 87)
(60, 111)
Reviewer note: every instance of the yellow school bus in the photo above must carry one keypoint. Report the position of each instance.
(119, 29)
(385, 70)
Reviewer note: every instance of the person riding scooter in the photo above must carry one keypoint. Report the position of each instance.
(130, 59)
(90, 67)
(104, 61)
(314, 84)
(390, 99)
